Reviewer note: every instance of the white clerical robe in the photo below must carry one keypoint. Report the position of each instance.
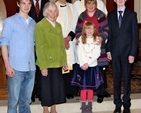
(68, 18)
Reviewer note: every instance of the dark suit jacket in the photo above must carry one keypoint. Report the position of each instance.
(123, 41)
(32, 12)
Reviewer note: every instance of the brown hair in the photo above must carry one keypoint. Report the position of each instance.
(20, 1)
(88, 1)
(87, 25)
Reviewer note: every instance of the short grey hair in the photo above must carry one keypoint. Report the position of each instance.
(49, 5)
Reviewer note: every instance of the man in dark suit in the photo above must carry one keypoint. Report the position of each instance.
(37, 18)
(32, 12)
(121, 49)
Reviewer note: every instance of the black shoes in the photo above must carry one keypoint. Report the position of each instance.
(117, 110)
(126, 110)
(35, 96)
(39, 97)
(106, 94)
(33, 99)
(69, 96)
(100, 98)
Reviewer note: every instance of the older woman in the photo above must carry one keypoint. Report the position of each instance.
(51, 58)
(93, 14)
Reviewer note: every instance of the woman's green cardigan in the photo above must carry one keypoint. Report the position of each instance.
(50, 47)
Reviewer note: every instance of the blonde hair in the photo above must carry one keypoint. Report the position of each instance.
(49, 5)
(88, 1)
(86, 26)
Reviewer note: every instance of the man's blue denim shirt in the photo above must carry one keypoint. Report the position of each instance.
(18, 36)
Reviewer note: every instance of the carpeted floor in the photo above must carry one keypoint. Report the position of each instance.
(135, 81)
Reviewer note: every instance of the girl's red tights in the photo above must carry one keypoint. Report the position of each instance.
(86, 95)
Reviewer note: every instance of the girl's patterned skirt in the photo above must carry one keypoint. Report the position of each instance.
(86, 79)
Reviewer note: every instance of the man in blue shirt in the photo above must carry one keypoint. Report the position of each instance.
(17, 45)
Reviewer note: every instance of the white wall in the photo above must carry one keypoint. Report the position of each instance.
(137, 8)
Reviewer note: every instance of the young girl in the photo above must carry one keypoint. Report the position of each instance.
(86, 74)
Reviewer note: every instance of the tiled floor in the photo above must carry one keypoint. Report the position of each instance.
(73, 105)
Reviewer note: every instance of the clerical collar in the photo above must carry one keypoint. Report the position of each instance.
(62, 5)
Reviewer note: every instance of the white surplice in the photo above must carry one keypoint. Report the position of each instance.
(68, 18)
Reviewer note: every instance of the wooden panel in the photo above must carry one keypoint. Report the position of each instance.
(130, 4)
(11, 7)
(3, 93)
(3, 79)
(111, 5)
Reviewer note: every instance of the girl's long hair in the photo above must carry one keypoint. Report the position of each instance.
(87, 25)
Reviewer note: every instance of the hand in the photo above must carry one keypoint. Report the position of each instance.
(10, 72)
(131, 59)
(99, 40)
(65, 67)
(67, 46)
(77, 41)
(66, 41)
(85, 66)
(44, 72)
(109, 56)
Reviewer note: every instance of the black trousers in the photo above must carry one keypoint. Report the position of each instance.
(122, 71)
(100, 90)
(67, 79)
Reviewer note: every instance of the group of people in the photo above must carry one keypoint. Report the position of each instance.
(68, 39)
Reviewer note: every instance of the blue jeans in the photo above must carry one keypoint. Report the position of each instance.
(19, 91)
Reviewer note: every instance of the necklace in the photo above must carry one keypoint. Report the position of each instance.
(89, 50)
(89, 47)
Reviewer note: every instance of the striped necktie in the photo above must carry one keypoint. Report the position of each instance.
(37, 8)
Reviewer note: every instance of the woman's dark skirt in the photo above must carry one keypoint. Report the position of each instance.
(52, 88)
(87, 79)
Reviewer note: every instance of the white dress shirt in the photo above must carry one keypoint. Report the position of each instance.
(34, 2)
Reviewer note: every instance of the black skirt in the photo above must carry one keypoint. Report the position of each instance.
(52, 88)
